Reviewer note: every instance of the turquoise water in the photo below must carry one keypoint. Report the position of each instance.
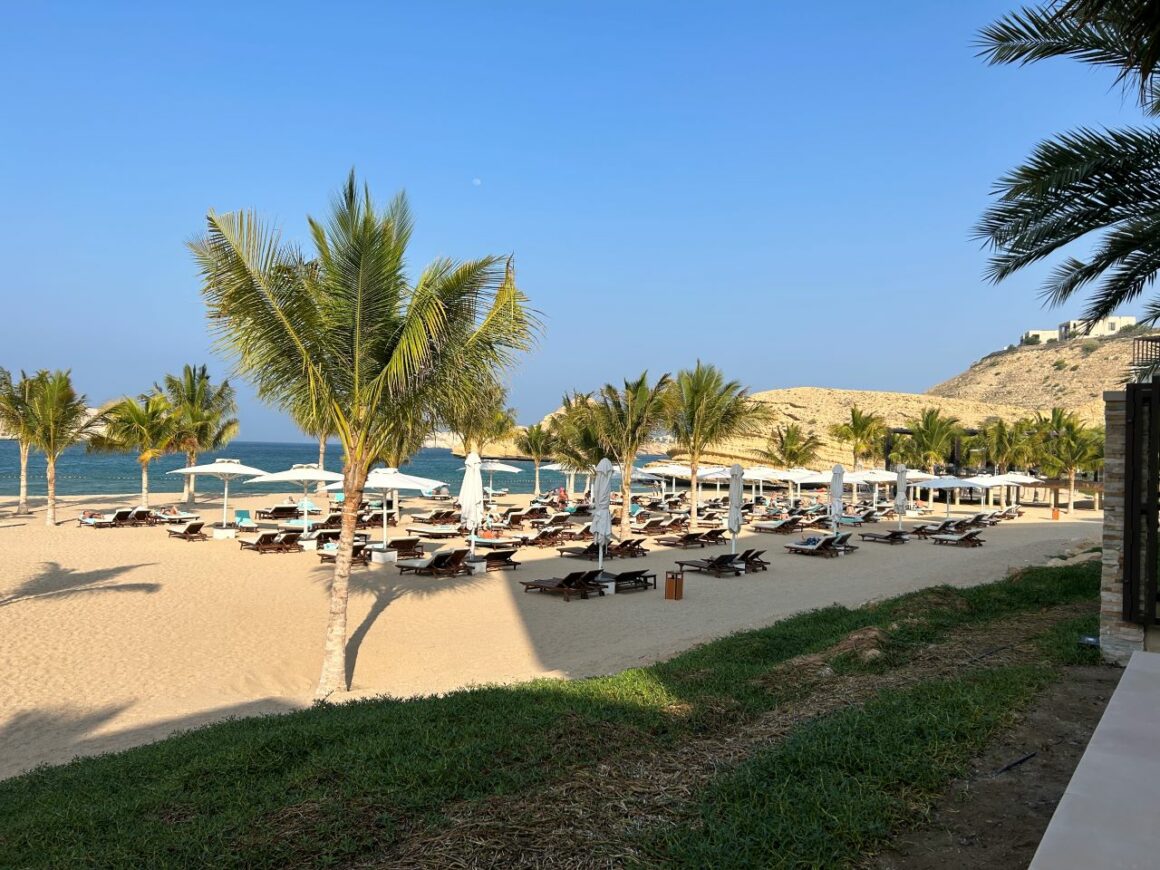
(81, 473)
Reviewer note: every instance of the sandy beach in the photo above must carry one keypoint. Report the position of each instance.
(114, 637)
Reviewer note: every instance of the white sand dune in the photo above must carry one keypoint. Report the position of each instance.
(115, 637)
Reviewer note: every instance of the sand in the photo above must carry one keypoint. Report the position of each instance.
(114, 637)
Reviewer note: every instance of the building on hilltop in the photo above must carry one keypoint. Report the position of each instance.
(1078, 329)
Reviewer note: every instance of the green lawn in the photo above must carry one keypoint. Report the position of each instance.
(334, 783)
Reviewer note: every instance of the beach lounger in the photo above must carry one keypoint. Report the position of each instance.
(780, 527)
(497, 560)
(406, 548)
(279, 512)
(102, 521)
(717, 566)
(578, 583)
(684, 540)
(963, 539)
(894, 536)
(140, 516)
(425, 531)
(288, 542)
(176, 518)
(631, 548)
(584, 533)
(842, 544)
(243, 522)
(591, 551)
(651, 526)
(495, 543)
(188, 532)
(817, 546)
(946, 527)
(263, 542)
(631, 580)
(359, 554)
(452, 566)
(754, 562)
(548, 536)
(714, 536)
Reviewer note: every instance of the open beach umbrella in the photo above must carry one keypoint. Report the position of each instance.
(900, 499)
(491, 466)
(387, 480)
(875, 476)
(670, 470)
(736, 496)
(837, 488)
(949, 483)
(601, 508)
(304, 474)
(471, 497)
(225, 470)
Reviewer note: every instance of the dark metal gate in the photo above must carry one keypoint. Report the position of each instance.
(1142, 502)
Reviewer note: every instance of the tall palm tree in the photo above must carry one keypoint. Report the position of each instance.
(704, 411)
(357, 335)
(1098, 186)
(59, 418)
(790, 446)
(203, 415)
(537, 442)
(575, 442)
(932, 438)
(1007, 445)
(864, 432)
(479, 415)
(1071, 449)
(624, 419)
(17, 423)
(146, 425)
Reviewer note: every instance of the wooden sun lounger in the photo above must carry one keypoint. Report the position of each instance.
(965, 539)
(823, 546)
(189, 532)
(631, 580)
(497, 560)
(894, 536)
(426, 531)
(717, 566)
(359, 554)
(279, 512)
(684, 541)
(578, 583)
(780, 527)
(592, 551)
(263, 542)
(629, 547)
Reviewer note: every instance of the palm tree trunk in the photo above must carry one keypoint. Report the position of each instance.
(190, 479)
(334, 670)
(145, 484)
(50, 510)
(22, 504)
(321, 488)
(536, 485)
(626, 497)
(694, 490)
(1070, 489)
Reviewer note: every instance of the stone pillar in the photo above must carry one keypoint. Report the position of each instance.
(1118, 639)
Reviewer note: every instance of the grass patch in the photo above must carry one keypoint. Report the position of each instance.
(1061, 643)
(840, 786)
(333, 783)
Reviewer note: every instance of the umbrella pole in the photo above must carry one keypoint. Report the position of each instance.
(600, 557)
(394, 503)
(225, 499)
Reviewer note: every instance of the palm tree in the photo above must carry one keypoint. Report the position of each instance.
(1071, 449)
(357, 336)
(479, 416)
(203, 415)
(1099, 186)
(1007, 445)
(864, 433)
(575, 442)
(704, 411)
(932, 438)
(624, 419)
(146, 426)
(17, 423)
(58, 418)
(790, 446)
(537, 442)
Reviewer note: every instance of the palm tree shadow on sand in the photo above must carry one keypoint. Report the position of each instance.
(384, 584)
(56, 581)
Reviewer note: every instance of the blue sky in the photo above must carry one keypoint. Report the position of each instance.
(776, 188)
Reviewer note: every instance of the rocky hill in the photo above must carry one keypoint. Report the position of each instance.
(1070, 374)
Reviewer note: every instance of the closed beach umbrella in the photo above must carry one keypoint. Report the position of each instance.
(304, 474)
(736, 496)
(471, 496)
(837, 486)
(900, 499)
(601, 507)
(224, 470)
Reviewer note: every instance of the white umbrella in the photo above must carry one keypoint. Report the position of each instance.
(305, 474)
(900, 499)
(601, 508)
(949, 483)
(225, 470)
(385, 480)
(491, 466)
(471, 497)
(736, 496)
(837, 487)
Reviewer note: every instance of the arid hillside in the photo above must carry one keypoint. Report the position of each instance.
(1071, 374)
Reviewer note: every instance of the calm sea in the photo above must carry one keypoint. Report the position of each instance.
(81, 473)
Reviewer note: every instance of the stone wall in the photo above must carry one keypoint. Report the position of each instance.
(1118, 639)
